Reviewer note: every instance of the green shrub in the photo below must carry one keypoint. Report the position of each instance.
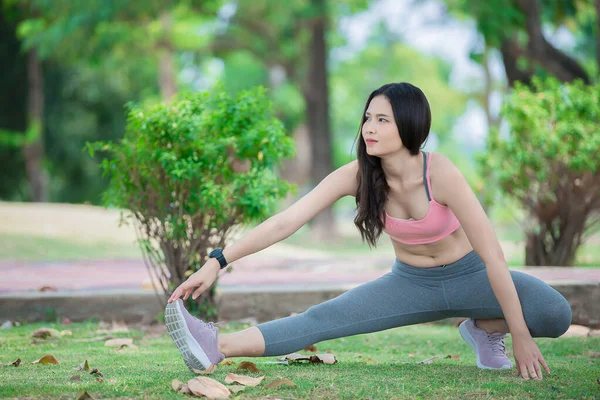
(550, 164)
(192, 170)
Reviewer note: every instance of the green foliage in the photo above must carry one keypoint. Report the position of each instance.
(173, 162)
(551, 124)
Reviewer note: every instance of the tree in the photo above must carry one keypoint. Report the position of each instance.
(514, 28)
(292, 35)
(551, 168)
(190, 172)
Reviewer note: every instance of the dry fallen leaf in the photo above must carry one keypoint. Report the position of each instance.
(280, 382)
(176, 385)
(226, 362)
(119, 342)
(84, 366)
(249, 366)
(94, 339)
(244, 380)
(84, 395)
(76, 378)
(43, 333)
(96, 372)
(427, 361)
(126, 346)
(323, 358)
(208, 371)
(47, 359)
(295, 357)
(311, 348)
(15, 363)
(236, 388)
(204, 386)
(454, 357)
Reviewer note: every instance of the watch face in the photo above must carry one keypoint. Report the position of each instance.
(214, 253)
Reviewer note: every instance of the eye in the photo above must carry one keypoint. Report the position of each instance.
(367, 117)
(383, 119)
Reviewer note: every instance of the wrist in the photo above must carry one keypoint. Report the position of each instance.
(213, 264)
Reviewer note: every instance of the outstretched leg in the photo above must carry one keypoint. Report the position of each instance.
(390, 301)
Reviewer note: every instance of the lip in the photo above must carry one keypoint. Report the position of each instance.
(371, 141)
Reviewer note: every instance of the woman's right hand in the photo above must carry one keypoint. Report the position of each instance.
(202, 279)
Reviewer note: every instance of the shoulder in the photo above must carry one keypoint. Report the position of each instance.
(445, 177)
(347, 175)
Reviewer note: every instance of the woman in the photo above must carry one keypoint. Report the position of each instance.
(448, 260)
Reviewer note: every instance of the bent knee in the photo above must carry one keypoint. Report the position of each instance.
(553, 320)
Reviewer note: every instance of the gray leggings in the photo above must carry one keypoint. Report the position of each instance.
(409, 295)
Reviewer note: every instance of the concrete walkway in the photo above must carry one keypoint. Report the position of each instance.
(280, 265)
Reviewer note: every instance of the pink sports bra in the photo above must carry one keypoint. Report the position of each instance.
(438, 223)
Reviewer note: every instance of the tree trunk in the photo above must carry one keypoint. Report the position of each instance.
(538, 253)
(316, 95)
(33, 152)
(166, 70)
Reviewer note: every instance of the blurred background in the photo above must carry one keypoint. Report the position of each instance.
(69, 67)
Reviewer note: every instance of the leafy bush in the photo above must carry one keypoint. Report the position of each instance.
(192, 170)
(551, 164)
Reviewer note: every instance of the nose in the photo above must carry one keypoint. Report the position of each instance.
(368, 126)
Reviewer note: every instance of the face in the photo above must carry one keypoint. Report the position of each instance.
(380, 131)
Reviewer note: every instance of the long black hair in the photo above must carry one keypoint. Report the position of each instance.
(413, 119)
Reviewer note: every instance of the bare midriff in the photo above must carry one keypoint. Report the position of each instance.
(445, 251)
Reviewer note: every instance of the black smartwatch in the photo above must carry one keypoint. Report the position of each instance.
(218, 254)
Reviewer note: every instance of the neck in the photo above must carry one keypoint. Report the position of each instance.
(401, 166)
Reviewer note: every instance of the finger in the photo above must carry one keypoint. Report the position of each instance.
(524, 374)
(538, 370)
(188, 293)
(518, 369)
(543, 362)
(531, 369)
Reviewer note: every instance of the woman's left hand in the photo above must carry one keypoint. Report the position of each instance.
(528, 357)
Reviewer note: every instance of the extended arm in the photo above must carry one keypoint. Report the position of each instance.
(339, 183)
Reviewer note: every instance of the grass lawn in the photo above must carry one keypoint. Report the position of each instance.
(381, 365)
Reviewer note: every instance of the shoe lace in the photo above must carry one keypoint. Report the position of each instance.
(496, 343)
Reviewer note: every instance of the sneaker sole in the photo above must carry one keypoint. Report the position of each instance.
(193, 355)
(464, 332)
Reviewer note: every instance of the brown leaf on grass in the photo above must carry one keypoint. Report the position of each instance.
(295, 357)
(119, 342)
(204, 386)
(84, 366)
(311, 348)
(83, 395)
(44, 333)
(244, 380)
(249, 366)
(180, 387)
(96, 372)
(236, 388)
(427, 361)
(76, 378)
(126, 346)
(176, 384)
(15, 363)
(454, 357)
(323, 358)
(227, 362)
(208, 371)
(47, 359)
(280, 382)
